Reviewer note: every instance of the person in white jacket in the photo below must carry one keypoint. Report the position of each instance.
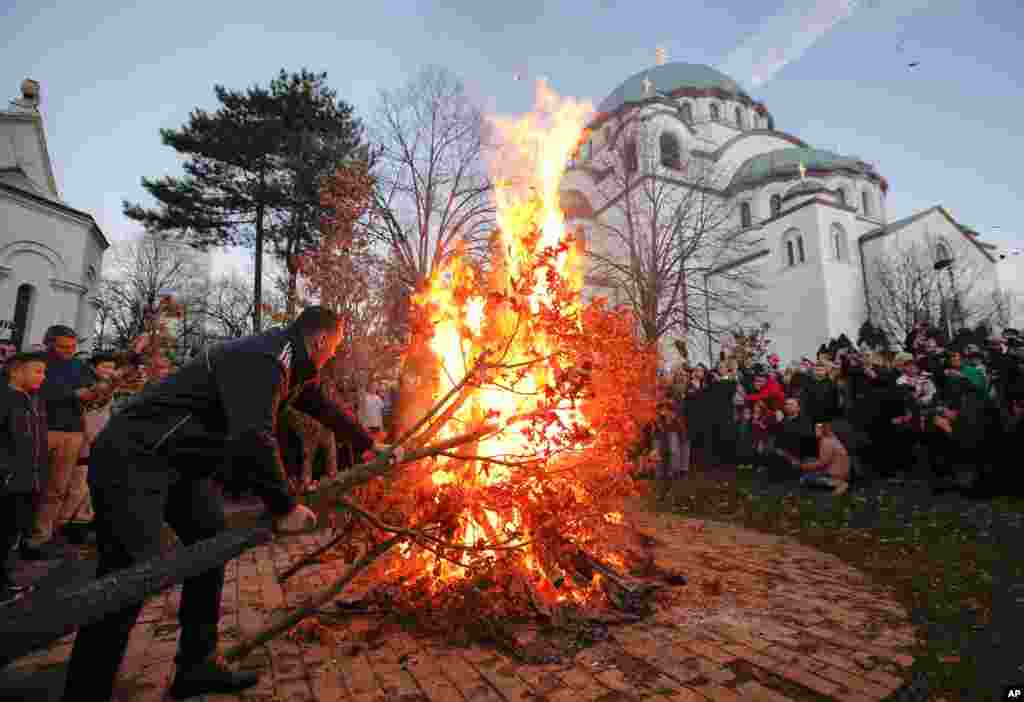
(371, 414)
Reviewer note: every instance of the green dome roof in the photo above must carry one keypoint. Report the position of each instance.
(665, 79)
(787, 161)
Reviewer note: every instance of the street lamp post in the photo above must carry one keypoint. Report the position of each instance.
(947, 308)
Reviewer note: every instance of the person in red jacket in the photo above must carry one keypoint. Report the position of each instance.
(768, 390)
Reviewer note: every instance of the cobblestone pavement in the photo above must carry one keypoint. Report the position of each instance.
(786, 622)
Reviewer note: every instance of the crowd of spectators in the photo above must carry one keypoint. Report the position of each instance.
(952, 408)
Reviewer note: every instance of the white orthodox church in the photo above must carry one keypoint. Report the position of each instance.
(814, 219)
(51, 254)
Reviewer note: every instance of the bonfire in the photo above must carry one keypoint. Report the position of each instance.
(522, 407)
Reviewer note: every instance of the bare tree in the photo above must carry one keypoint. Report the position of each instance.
(228, 307)
(432, 185)
(906, 288)
(669, 224)
(141, 271)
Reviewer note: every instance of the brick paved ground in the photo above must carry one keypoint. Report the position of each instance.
(789, 623)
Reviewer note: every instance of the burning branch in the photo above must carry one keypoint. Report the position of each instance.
(244, 648)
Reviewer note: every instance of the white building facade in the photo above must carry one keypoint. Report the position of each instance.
(51, 255)
(812, 220)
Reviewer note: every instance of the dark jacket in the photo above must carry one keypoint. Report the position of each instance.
(23, 446)
(223, 404)
(795, 436)
(63, 380)
(820, 400)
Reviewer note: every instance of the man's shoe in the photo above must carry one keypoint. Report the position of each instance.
(209, 678)
(49, 551)
(11, 593)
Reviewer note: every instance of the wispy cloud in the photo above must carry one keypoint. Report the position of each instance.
(786, 36)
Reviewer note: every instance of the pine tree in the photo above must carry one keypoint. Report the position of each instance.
(254, 169)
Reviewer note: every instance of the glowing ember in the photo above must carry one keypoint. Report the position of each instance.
(562, 378)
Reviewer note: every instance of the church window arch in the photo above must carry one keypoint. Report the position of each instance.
(865, 201)
(746, 218)
(837, 239)
(942, 252)
(739, 118)
(686, 112)
(716, 113)
(630, 159)
(776, 205)
(793, 248)
(668, 145)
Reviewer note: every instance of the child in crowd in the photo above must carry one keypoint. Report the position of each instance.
(95, 415)
(745, 453)
(832, 469)
(24, 457)
(762, 424)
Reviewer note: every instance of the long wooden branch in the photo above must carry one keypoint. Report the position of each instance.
(285, 623)
(383, 465)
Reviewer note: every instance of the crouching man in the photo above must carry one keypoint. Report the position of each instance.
(832, 469)
(153, 463)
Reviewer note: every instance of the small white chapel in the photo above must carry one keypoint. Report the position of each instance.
(51, 254)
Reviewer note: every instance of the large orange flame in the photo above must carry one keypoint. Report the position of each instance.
(472, 316)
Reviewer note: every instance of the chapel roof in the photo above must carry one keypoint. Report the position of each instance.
(787, 162)
(665, 79)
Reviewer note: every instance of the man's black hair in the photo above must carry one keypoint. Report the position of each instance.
(56, 331)
(103, 357)
(23, 357)
(316, 320)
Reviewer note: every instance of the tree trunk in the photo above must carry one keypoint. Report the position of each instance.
(257, 288)
(293, 276)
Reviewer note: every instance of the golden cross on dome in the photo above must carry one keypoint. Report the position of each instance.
(648, 86)
(803, 171)
(660, 56)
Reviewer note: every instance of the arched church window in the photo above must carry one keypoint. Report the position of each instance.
(838, 235)
(715, 113)
(776, 205)
(793, 247)
(739, 118)
(686, 110)
(630, 156)
(942, 252)
(865, 201)
(670, 153)
(22, 314)
(841, 194)
(746, 220)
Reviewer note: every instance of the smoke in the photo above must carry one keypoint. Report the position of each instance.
(785, 37)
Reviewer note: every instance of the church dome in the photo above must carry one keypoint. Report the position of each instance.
(666, 79)
(787, 162)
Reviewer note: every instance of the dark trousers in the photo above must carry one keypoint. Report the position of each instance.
(128, 527)
(16, 512)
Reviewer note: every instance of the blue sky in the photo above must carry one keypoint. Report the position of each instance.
(950, 131)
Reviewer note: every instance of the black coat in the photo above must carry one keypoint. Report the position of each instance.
(23, 448)
(223, 404)
(795, 436)
(820, 400)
